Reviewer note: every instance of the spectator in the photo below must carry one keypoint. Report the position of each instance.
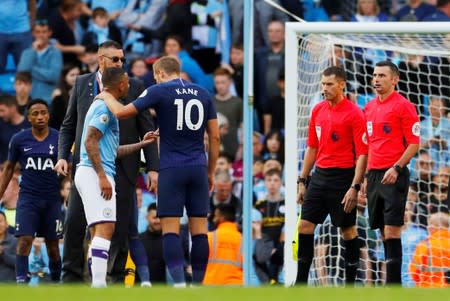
(8, 245)
(113, 7)
(423, 181)
(152, 240)
(438, 197)
(23, 85)
(139, 70)
(225, 245)
(412, 234)
(37, 60)
(62, 94)
(274, 115)
(367, 243)
(269, 61)
(414, 10)
(11, 122)
(101, 29)
(174, 46)
(223, 163)
(369, 11)
(223, 195)
(264, 15)
(16, 19)
(430, 264)
(237, 64)
(143, 13)
(441, 14)
(230, 106)
(273, 210)
(89, 59)
(8, 202)
(435, 131)
(273, 146)
(65, 28)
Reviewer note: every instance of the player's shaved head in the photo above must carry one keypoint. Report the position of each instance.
(168, 64)
(113, 76)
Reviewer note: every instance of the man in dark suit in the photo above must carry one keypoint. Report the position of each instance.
(110, 54)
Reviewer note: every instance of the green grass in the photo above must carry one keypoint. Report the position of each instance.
(81, 293)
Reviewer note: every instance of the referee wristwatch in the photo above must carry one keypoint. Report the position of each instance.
(301, 180)
(356, 186)
(397, 168)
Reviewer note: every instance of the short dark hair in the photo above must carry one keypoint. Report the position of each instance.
(36, 101)
(8, 100)
(110, 44)
(99, 12)
(176, 38)
(112, 76)
(441, 3)
(393, 67)
(23, 76)
(227, 211)
(68, 5)
(338, 72)
(238, 46)
(152, 206)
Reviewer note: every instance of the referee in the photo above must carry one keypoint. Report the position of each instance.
(393, 134)
(336, 144)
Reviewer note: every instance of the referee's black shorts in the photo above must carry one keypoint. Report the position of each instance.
(324, 195)
(386, 203)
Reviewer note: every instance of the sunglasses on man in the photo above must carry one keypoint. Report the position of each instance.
(115, 59)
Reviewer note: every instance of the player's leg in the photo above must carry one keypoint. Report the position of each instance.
(74, 234)
(395, 197)
(137, 250)
(171, 195)
(100, 214)
(27, 223)
(352, 253)
(100, 245)
(54, 263)
(314, 211)
(52, 229)
(197, 207)
(24, 244)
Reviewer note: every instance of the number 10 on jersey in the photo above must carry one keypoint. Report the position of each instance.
(184, 114)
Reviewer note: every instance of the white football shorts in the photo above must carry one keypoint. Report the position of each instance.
(96, 208)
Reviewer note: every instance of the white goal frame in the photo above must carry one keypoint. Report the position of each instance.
(293, 30)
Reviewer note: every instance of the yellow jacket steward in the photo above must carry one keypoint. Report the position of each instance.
(225, 256)
(431, 262)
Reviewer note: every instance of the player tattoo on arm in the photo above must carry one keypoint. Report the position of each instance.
(92, 140)
(6, 175)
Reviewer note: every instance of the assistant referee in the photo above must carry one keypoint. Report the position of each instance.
(336, 144)
(393, 134)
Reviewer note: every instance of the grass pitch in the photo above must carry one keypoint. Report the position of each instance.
(82, 293)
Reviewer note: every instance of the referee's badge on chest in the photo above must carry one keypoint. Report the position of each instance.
(318, 131)
(369, 128)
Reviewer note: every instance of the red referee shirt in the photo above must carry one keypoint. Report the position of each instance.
(391, 126)
(338, 133)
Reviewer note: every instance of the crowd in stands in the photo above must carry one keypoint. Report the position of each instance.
(46, 44)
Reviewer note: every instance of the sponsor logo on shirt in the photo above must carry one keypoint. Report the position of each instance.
(369, 128)
(364, 138)
(104, 118)
(416, 129)
(318, 131)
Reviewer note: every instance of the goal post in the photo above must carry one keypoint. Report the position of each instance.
(312, 47)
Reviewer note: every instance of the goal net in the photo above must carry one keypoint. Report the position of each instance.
(422, 53)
